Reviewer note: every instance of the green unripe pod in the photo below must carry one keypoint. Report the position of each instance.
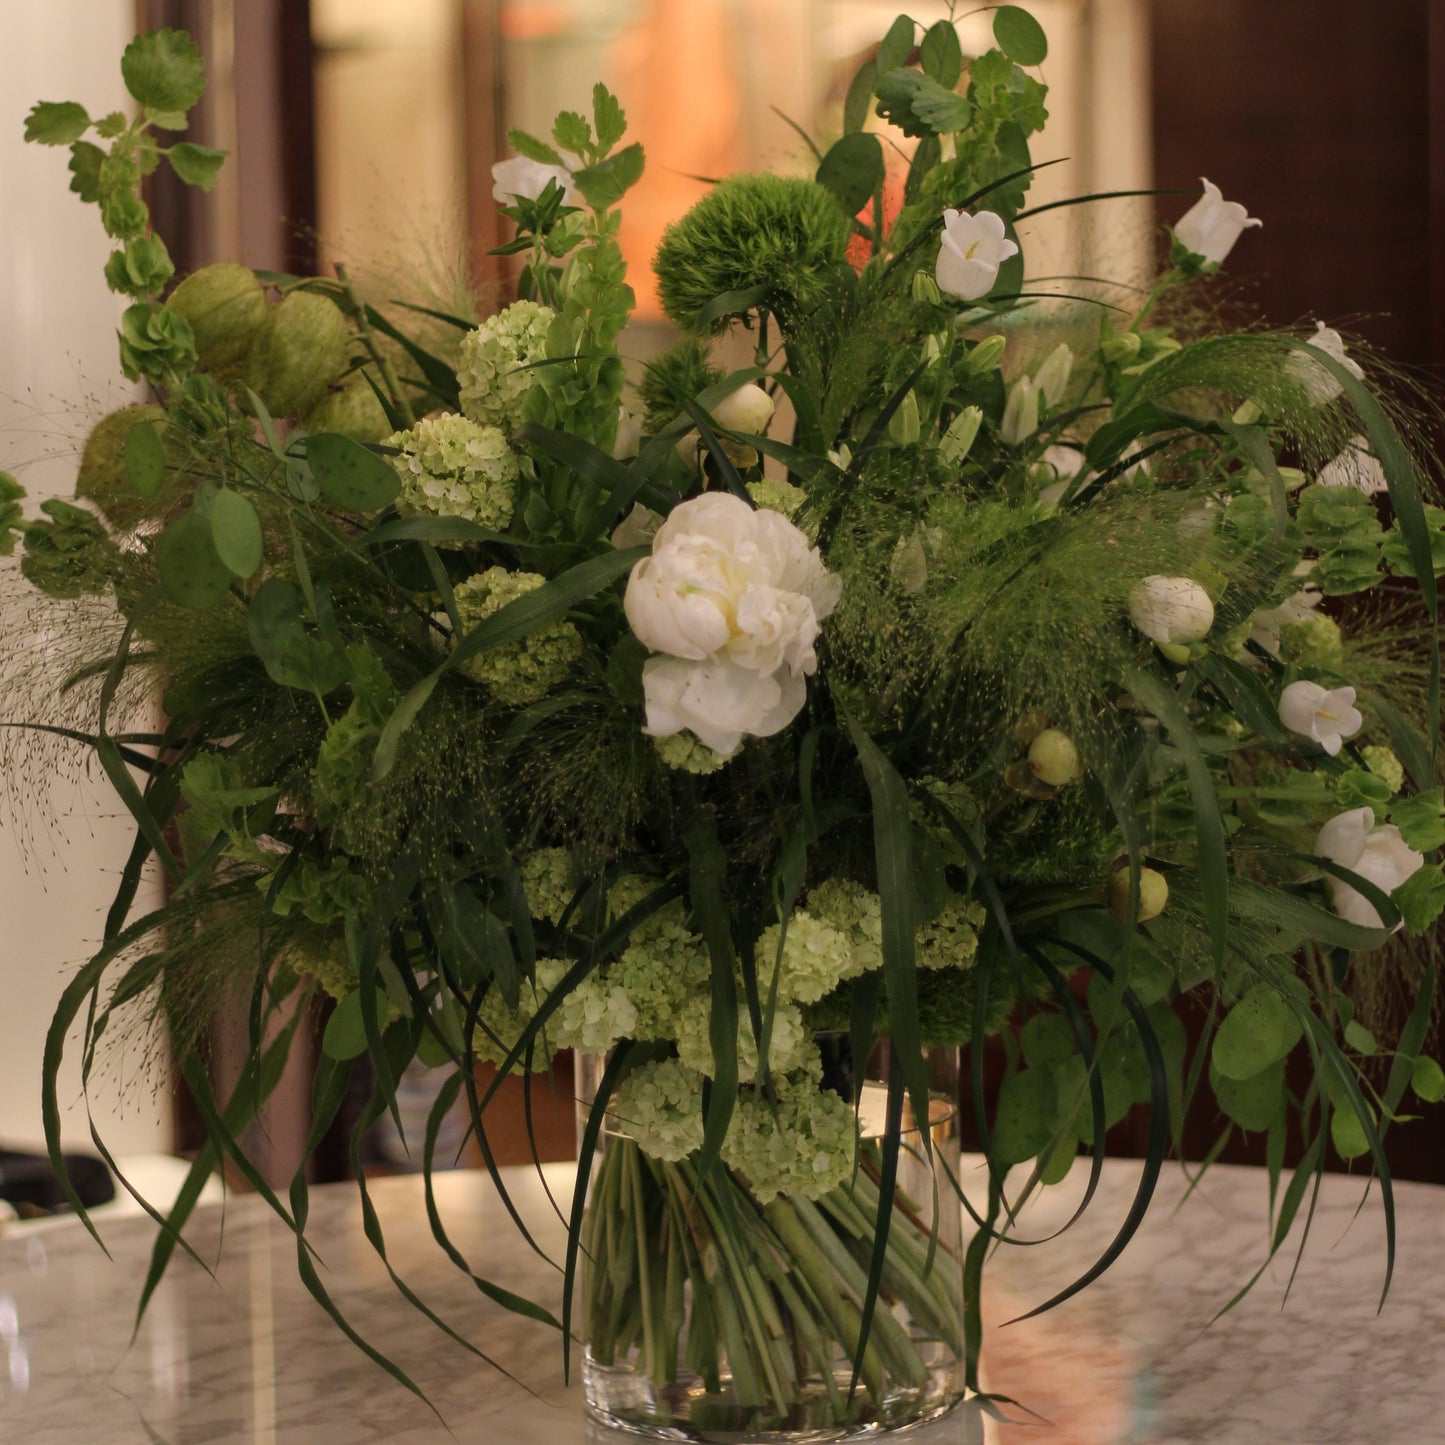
(354, 411)
(299, 353)
(1054, 759)
(227, 309)
(102, 478)
(1153, 894)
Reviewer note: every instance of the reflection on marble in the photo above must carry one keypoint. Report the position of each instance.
(248, 1356)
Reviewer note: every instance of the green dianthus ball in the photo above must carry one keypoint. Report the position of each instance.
(783, 233)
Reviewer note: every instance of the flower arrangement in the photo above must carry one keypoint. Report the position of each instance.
(518, 701)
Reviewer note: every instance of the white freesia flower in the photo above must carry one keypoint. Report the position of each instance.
(1052, 377)
(522, 178)
(1328, 715)
(1376, 852)
(1322, 385)
(1171, 610)
(1355, 467)
(971, 251)
(1020, 411)
(734, 597)
(1212, 225)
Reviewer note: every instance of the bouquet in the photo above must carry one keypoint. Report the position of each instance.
(981, 661)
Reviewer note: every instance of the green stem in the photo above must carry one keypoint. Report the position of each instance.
(368, 339)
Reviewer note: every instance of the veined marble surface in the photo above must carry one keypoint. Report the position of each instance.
(248, 1356)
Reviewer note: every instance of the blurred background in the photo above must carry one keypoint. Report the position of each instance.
(364, 131)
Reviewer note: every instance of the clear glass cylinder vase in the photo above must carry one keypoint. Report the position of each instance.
(707, 1314)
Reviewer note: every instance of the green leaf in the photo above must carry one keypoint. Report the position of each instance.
(196, 165)
(1019, 35)
(236, 532)
(1421, 899)
(1024, 1123)
(191, 569)
(85, 163)
(896, 46)
(1257, 1032)
(860, 92)
(1347, 1134)
(607, 117)
(1253, 1102)
(345, 1036)
(528, 145)
(941, 55)
(1421, 820)
(163, 70)
(292, 656)
(918, 104)
(1301, 918)
(1359, 1038)
(56, 122)
(1427, 1079)
(145, 458)
(1048, 1039)
(572, 133)
(168, 119)
(349, 475)
(853, 170)
(608, 181)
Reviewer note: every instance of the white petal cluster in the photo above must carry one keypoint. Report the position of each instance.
(1326, 715)
(805, 1145)
(972, 249)
(660, 1106)
(790, 1045)
(1355, 467)
(516, 672)
(1212, 225)
(451, 466)
(816, 956)
(495, 363)
(1376, 852)
(1171, 610)
(732, 598)
(1321, 383)
(522, 178)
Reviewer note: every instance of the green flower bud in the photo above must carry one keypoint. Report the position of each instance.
(957, 441)
(925, 289)
(103, 478)
(985, 356)
(155, 343)
(1153, 894)
(141, 269)
(1053, 758)
(1120, 349)
(299, 353)
(903, 425)
(1383, 762)
(226, 307)
(354, 411)
(1313, 641)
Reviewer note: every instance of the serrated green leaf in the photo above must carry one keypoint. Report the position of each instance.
(917, 104)
(349, 475)
(1019, 35)
(56, 122)
(1421, 899)
(526, 144)
(168, 119)
(896, 46)
(196, 165)
(572, 133)
(145, 459)
(1421, 820)
(608, 117)
(236, 531)
(85, 163)
(1254, 1034)
(191, 569)
(163, 70)
(1427, 1079)
(608, 181)
(853, 170)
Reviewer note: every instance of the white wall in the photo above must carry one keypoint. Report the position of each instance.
(58, 372)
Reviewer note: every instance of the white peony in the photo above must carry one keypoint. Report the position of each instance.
(1322, 385)
(1212, 225)
(1327, 715)
(522, 178)
(1355, 467)
(733, 598)
(1376, 852)
(971, 251)
(1171, 610)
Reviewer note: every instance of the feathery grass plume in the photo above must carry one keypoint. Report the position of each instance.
(779, 234)
(672, 378)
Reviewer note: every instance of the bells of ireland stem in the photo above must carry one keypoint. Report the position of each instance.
(1153, 894)
(1211, 226)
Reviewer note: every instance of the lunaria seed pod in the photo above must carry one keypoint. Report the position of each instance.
(227, 308)
(298, 355)
(102, 478)
(1153, 893)
(352, 410)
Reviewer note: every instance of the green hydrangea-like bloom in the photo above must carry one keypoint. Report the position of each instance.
(321, 954)
(517, 672)
(1313, 641)
(779, 496)
(592, 1017)
(951, 939)
(342, 776)
(805, 1145)
(858, 912)
(547, 880)
(817, 956)
(494, 364)
(660, 1106)
(453, 467)
(1384, 764)
(661, 975)
(691, 755)
(790, 1046)
(781, 232)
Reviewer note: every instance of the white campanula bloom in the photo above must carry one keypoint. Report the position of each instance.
(1355, 467)
(1171, 610)
(1323, 386)
(733, 599)
(522, 178)
(1212, 225)
(971, 251)
(1327, 715)
(1376, 852)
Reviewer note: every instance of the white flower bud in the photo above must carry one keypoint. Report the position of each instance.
(1021, 411)
(1052, 377)
(749, 409)
(957, 441)
(1171, 610)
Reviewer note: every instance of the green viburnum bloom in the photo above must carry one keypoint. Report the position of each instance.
(1312, 641)
(517, 672)
(156, 344)
(496, 363)
(804, 1144)
(451, 466)
(691, 755)
(12, 515)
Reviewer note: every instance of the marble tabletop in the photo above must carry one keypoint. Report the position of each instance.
(248, 1356)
